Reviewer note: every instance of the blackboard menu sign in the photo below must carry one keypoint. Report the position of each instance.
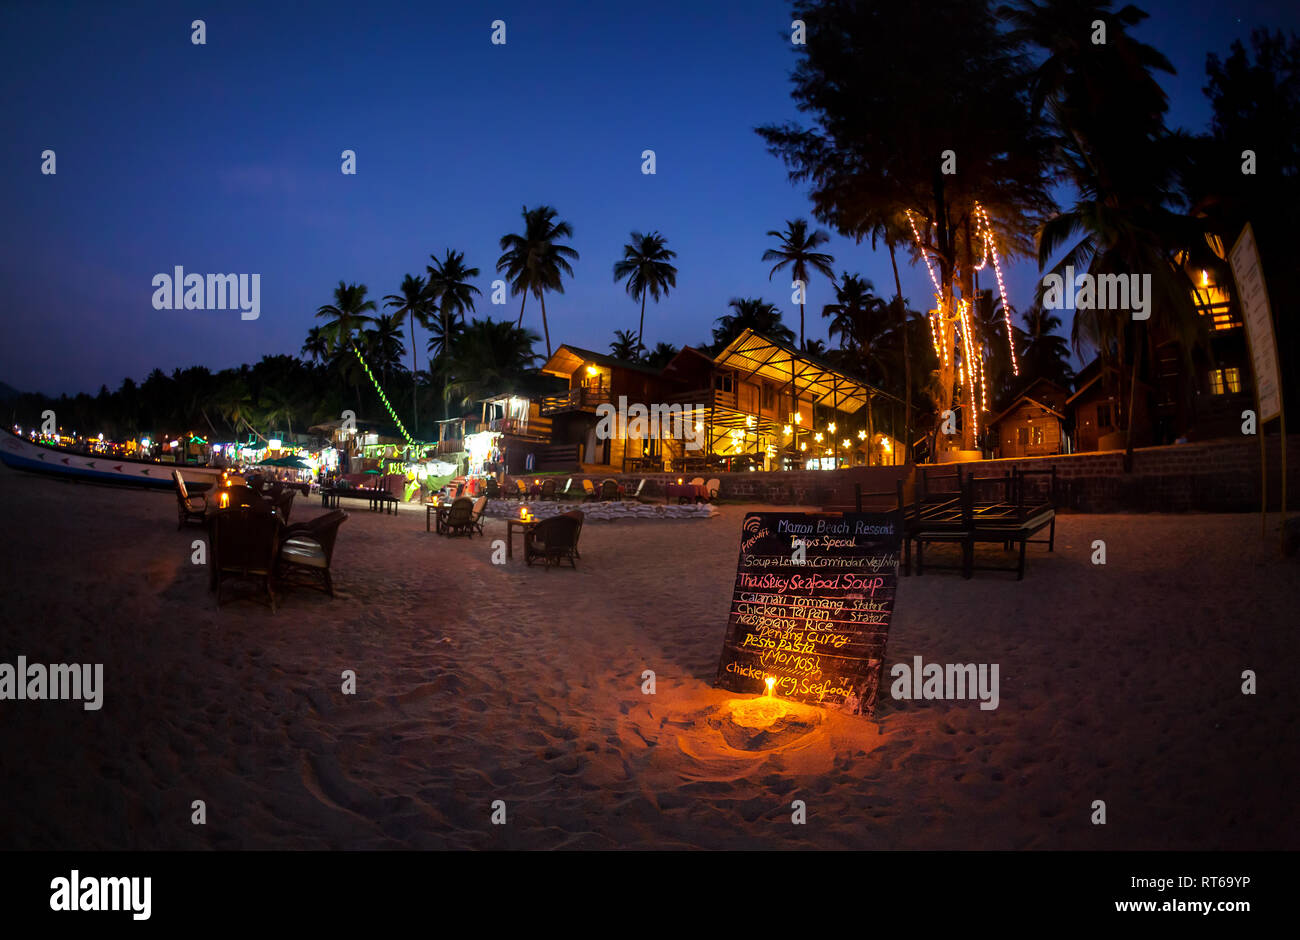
(811, 609)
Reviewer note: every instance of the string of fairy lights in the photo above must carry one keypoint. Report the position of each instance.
(970, 368)
(382, 396)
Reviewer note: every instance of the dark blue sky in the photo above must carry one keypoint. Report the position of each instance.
(225, 158)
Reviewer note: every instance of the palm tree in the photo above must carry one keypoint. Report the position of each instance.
(863, 127)
(752, 313)
(534, 261)
(859, 318)
(646, 268)
(1106, 112)
(449, 286)
(797, 250)
(385, 346)
(661, 355)
(864, 323)
(414, 302)
(1046, 352)
(316, 347)
(626, 346)
(347, 315)
(491, 357)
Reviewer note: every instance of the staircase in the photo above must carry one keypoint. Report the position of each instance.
(558, 457)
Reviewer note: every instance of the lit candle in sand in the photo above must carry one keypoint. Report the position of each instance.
(770, 682)
(225, 500)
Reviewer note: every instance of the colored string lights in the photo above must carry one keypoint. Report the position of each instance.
(382, 396)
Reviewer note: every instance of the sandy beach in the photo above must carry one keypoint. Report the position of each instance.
(479, 682)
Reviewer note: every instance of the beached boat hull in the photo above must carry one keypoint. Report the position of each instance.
(27, 455)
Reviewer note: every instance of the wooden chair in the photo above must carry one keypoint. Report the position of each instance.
(509, 490)
(589, 493)
(568, 485)
(555, 539)
(639, 487)
(521, 489)
(187, 510)
(245, 543)
(308, 548)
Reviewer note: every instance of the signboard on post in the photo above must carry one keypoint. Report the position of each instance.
(1257, 314)
(811, 608)
(1258, 317)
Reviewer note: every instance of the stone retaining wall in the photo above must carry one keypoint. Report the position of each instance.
(1209, 476)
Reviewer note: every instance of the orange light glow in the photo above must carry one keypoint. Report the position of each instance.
(770, 682)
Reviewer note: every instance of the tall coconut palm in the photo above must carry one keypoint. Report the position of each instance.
(797, 250)
(349, 313)
(384, 345)
(535, 262)
(647, 269)
(1046, 352)
(449, 285)
(490, 357)
(860, 88)
(1106, 112)
(661, 355)
(860, 319)
(625, 346)
(413, 302)
(317, 345)
(752, 313)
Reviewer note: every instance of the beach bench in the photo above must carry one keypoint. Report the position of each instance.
(1012, 516)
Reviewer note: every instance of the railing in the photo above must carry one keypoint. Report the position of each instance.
(451, 446)
(704, 397)
(576, 399)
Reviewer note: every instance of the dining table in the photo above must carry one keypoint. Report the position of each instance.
(695, 492)
(523, 525)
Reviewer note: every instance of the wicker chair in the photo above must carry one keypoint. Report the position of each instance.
(245, 542)
(308, 549)
(608, 490)
(476, 515)
(460, 518)
(713, 487)
(554, 540)
(186, 508)
(493, 488)
(548, 489)
(284, 504)
(579, 516)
